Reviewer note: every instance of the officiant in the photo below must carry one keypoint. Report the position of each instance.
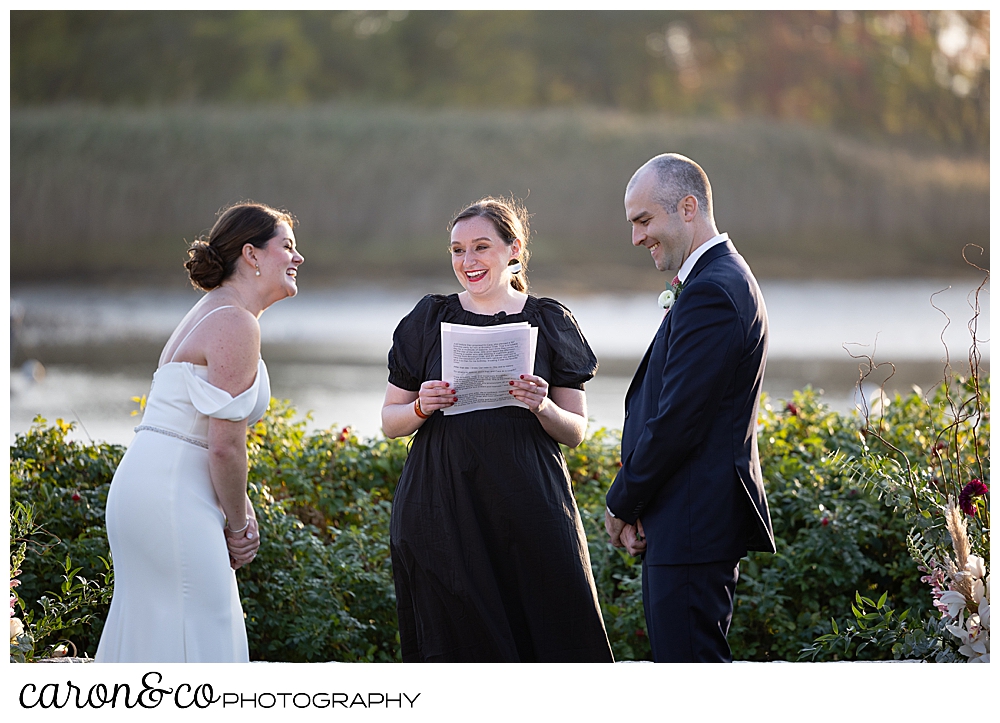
(489, 556)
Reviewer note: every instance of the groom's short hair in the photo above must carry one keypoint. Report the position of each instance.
(678, 176)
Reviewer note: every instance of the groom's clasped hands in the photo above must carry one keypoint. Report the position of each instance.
(633, 537)
(622, 534)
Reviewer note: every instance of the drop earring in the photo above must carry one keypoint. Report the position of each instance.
(258, 270)
(514, 266)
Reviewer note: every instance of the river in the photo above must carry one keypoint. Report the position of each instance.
(96, 348)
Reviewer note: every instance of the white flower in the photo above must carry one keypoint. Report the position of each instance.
(16, 630)
(978, 590)
(955, 602)
(975, 640)
(976, 566)
(976, 648)
(667, 299)
(984, 606)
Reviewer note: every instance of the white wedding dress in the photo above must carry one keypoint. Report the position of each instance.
(175, 595)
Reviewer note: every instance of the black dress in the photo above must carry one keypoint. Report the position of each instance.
(489, 555)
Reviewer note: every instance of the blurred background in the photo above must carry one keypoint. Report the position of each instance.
(848, 152)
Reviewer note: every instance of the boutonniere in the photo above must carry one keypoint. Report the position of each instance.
(669, 296)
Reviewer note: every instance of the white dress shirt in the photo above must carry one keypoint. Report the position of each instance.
(691, 260)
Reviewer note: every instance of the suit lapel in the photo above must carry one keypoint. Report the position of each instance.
(640, 372)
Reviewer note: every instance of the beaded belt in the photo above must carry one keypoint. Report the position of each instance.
(170, 433)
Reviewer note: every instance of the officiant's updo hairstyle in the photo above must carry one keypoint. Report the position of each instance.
(212, 260)
(510, 219)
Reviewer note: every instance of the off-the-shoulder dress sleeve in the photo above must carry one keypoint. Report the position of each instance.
(220, 404)
(408, 355)
(573, 361)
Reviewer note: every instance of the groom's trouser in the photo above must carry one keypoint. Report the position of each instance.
(688, 610)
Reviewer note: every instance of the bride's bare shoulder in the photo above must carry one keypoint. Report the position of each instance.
(212, 331)
(231, 327)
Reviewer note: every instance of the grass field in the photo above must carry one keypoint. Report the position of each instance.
(114, 193)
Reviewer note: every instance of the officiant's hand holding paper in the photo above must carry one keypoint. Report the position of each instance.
(435, 395)
(532, 391)
(481, 362)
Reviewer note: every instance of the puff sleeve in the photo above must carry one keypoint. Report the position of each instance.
(409, 353)
(572, 361)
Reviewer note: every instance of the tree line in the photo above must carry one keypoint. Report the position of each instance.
(886, 74)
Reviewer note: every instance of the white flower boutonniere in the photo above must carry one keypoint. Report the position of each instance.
(669, 296)
(667, 299)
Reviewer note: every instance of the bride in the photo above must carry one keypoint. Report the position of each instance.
(178, 517)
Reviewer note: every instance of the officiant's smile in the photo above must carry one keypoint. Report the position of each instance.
(481, 259)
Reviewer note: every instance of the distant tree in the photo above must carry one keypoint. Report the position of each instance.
(921, 74)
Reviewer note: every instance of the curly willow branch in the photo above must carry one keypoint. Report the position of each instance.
(970, 410)
(975, 356)
(863, 374)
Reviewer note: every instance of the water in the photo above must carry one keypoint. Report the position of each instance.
(326, 347)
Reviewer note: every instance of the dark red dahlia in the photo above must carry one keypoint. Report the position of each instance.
(975, 488)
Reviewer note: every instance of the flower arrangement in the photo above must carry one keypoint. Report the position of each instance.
(920, 468)
(966, 602)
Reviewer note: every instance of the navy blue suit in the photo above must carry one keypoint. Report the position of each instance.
(690, 468)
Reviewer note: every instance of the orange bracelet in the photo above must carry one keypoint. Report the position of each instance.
(417, 410)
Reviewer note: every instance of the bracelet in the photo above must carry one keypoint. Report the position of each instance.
(241, 529)
(418, 411)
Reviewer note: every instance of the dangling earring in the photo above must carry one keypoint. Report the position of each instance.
(258, 270)
(514, 266)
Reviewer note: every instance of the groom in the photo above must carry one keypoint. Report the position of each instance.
(689, 495)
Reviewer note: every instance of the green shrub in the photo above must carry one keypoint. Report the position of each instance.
(833, 537)
(65, 485)
(919, 456)
(325, 590)
(618, 575)
(321, 587)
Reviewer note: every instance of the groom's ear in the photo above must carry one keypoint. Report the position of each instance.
(688, 207)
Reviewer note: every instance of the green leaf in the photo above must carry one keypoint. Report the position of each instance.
(881, 600)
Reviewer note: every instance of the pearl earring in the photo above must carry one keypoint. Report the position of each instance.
(258, 270)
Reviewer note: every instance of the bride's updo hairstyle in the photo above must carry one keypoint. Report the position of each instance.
(510, 219)
(212, 260)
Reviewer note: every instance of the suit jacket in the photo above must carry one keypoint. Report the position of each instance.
(690, 468)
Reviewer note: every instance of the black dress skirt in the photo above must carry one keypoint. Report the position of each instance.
(489, 555)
